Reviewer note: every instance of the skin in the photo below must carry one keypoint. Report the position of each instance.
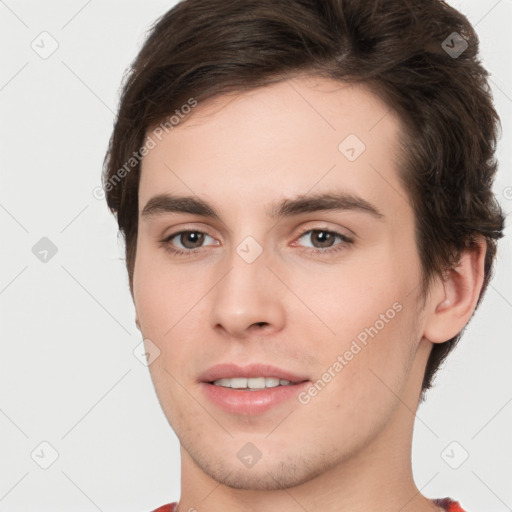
(349, 448)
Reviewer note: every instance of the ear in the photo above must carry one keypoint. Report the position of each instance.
(453, 299)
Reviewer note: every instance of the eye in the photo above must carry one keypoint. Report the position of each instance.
(191, 242)
(325, 239)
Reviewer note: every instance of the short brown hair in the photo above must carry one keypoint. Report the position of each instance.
(399, 48)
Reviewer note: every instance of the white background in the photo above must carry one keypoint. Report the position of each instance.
(68, 375)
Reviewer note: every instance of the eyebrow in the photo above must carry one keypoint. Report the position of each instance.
(342, 201)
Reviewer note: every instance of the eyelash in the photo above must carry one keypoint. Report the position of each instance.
(190, 252)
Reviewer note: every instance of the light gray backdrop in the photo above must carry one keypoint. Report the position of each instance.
(80, 425)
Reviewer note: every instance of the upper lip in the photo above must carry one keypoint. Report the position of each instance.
(228, 370)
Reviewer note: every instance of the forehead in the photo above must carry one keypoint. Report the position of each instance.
(284, 139)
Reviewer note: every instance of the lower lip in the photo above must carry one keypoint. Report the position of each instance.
(238, 401)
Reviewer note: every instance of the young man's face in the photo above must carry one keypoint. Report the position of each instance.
(330, 296)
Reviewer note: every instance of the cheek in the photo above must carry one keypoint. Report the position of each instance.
(363, 324)
(364, 368)
(161, 293)
(162, 300)
(359, 293)
(169, 308)
(151, 304)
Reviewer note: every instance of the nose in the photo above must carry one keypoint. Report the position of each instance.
(249, 298)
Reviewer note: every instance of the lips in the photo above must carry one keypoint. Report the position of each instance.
(228, 370)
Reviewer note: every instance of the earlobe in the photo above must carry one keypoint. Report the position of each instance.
(454, 301)
(137, 323)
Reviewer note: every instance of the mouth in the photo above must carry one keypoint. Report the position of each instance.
(253, 383)
(250, 390)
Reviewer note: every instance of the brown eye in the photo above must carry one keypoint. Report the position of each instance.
(325, 238)
(189, 238)
(324, 241)
(185, 242)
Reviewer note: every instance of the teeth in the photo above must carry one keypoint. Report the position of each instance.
(252, 383)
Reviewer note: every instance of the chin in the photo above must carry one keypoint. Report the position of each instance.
(268, 473)
(263, 479)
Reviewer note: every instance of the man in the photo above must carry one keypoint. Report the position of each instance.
(305, 191)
